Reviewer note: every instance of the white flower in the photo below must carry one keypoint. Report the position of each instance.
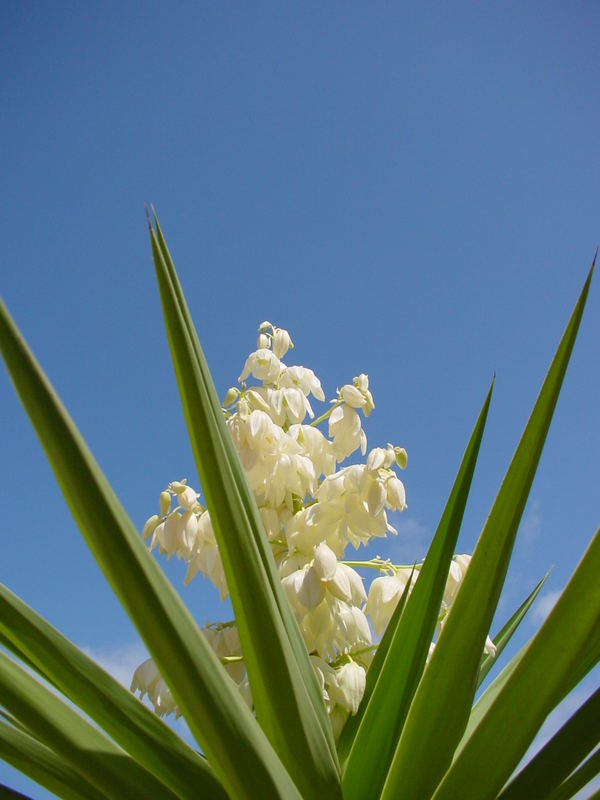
(352, 396)
(206, 558)
(263, 365)
(147, 681)
(316, 447)
(281, 342)
(489, 647)
(325, 562)
(358, 395)
(150, 526)
(164, 501)
(225, 641)
(346, 431)
(458, 570)
(305, 379)
(395, 494)
(187, 498)
(348, 692)
(384, 594)
(310, 514)
(186, 534)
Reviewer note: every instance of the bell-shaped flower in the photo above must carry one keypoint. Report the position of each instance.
(188, 498)
(316, 447)
(312, 589)
(384, 594)
(458, 570)
(281, 342)
(325, 563)
(395, 494)
(225, 642)
(304, 378)
(186, 534)
(148, 681)
(348, 692)
(346, 431)
(263, 364)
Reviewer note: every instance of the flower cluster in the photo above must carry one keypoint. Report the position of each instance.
(312, 508)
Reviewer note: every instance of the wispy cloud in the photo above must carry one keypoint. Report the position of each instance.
(411, 541)
(120, 661)
(543, 606)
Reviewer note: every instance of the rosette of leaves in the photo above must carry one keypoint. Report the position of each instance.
(417, 732)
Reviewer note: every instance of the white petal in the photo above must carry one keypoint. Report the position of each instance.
(325, 562)
(312, 590)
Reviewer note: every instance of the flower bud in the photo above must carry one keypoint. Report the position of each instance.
(150, 526)
(164, 502)
(375, 459)
(231, 396)
(361, 382)
(281, 342)
(262, 341)
(401, 457)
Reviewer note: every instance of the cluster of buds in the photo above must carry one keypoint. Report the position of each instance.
(312, 509)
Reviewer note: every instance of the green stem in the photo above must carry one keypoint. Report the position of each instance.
(326, 415)
(381, 565)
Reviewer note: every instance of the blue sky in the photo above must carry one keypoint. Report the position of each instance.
(412, 192)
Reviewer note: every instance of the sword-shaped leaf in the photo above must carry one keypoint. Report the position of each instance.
(585, 663)
(442, 703)
(504, 635)
(127, 720)
(283, 683)
(580, 778)
(353, 722)
(84, 748)
(375, 741)
(562, 754)
(235, 745)
(536, 685)
(43, 766)
(6, 793)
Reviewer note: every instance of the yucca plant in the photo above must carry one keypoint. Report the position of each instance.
(414, 734)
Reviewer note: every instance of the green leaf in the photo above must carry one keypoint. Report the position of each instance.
(537, 684)
(9, 794)
(560, 755)
(353, 722)
(504, 635)
(442, 703)
(43, 766)
(379, 729)
(585, 663)
(81, 745)
(283, 683)
(580, 778)
(235, 745)
(133, 726)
